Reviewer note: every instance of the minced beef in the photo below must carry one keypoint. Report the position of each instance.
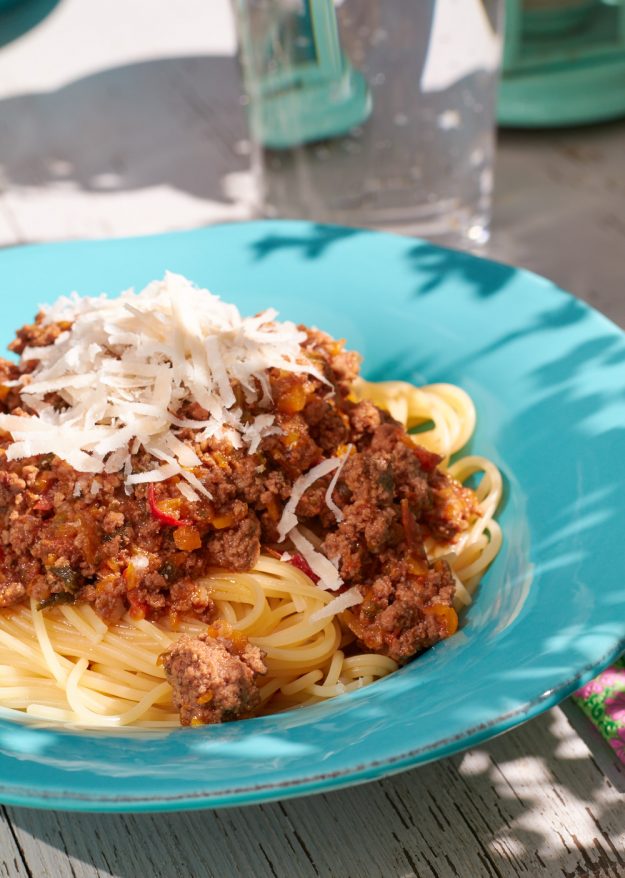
(214, 676)
(72, 536)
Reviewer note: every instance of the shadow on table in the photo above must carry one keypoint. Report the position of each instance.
(495, 810)
(171, 122)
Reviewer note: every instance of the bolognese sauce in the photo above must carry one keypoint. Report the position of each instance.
(69, 536)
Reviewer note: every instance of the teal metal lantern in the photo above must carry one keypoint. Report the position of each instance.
(564, 62)
(302, 86)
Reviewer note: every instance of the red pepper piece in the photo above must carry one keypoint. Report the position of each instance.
(162, 516)
(302, 564)
(427, 459)
(409, 525)
(416, 558)
(138, 608)
(43, 505)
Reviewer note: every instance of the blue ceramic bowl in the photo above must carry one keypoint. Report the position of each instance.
(548, 376)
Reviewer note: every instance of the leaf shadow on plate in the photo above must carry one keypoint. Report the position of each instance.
(311, 246)
(410, 364)
(438, 265)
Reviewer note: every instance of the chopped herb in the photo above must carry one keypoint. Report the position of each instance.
(386, 481)
(59, 597)
(68, 576)
(169, 572)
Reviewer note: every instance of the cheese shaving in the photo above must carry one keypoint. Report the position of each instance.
(187, 492)
(126, 367)
(329, 579)
(349, 598)
(289, 520)
(323, 567)
(328, 498)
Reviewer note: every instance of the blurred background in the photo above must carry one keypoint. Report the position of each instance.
(128, 117)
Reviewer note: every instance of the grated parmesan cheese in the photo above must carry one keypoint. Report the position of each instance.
(329, 579)
(126, 366)
(328, 498)
(325, 568)
(349, 598)
(288, 519)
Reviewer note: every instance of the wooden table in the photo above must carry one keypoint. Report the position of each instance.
(124, 117)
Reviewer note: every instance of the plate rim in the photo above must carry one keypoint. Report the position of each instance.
(314, 784)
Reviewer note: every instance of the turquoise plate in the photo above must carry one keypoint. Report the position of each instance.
(547, 374)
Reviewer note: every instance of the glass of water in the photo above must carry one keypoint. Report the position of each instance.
(374, 113)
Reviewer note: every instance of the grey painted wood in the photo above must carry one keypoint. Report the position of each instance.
(544, 800)
(12, 863)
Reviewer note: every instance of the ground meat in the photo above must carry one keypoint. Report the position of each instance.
(190, 596)
(112, 521)
(217, 476)
(452, 508)
(293, 450)
(214, 676)
(339, 366)
(372, 517)
(328, 427)
(370, 478)
(8, 372)
(9, 396)
(110, 597)
(69, 536)
(236, 548)
(37, 334)
(244, 472)
(313, 504)
(411, 479)
(403, 615)
(11, 593)
(365, 418)
(381, 531)
(12, 483)
(392, 494)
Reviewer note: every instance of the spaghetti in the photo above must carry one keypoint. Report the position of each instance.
(66, 665)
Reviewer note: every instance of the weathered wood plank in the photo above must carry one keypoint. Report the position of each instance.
(599, 749)
(12, 863)
(531, 804)
(47, 852)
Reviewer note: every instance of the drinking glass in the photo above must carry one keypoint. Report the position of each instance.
(374, 112)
